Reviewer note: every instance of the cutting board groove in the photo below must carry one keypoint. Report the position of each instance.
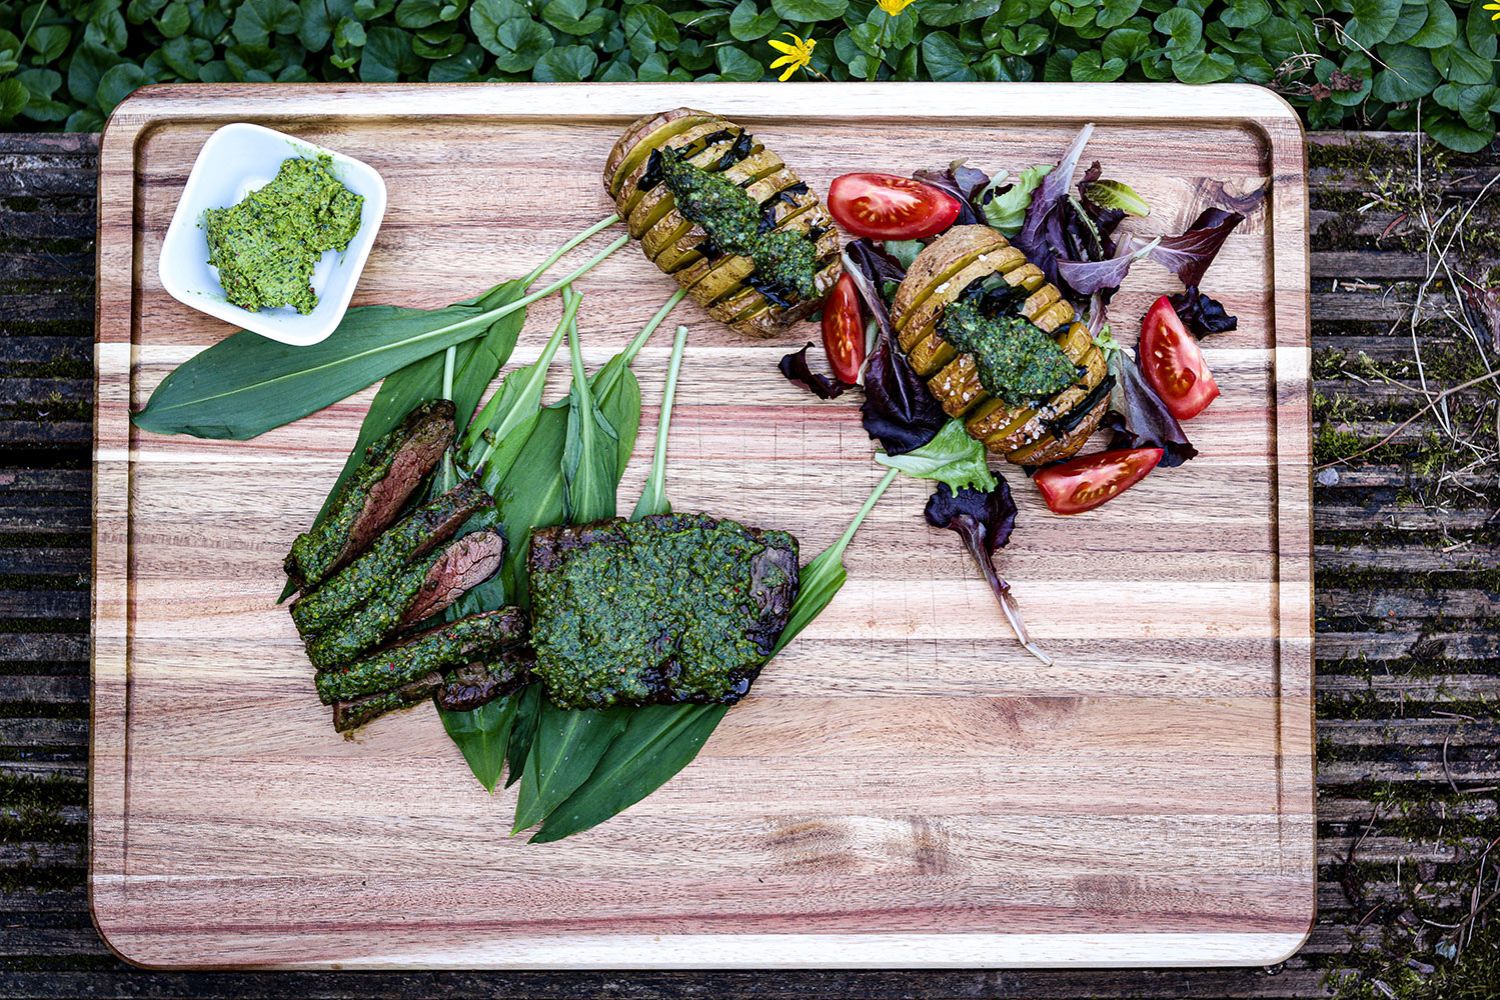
(905, 787)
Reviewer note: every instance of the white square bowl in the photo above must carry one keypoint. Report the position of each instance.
(236, 160)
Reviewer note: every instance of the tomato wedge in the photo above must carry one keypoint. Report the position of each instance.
(1173, 364)
(844, 330)
(1084, 483)
(887, 207)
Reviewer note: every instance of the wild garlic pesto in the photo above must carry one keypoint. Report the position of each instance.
(266, 246)
(1016, 361)
(734, 223)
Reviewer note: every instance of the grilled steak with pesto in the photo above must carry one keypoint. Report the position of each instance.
(355, 712)
(413, 537)
(437, 649)
(722, 214)
(1000, 347)
(420, 590)
(670, 608)
(372, 498)
(474, 684)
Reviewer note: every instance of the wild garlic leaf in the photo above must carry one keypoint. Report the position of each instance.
(654, 494)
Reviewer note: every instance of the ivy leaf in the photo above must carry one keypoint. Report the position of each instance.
(808, 11)
(49, 41)
(13, 98)
(1440, 28)
(737, 64)
(566, 62)
(107, 30)
(647, 29)
(116, 84)
(257, 20)
(1183, 28)
(89, 64)
(387, 55)
(574, 17)
(1203, 67)
(1113, 13)
(1456, 133)
(1409, 74)
(1372, 20)
(1088, 68)
(944, 59)
(1460, 64)
(1245, 13)
(748, 22)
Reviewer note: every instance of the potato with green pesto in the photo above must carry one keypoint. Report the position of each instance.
(999, 347)
(721, 213)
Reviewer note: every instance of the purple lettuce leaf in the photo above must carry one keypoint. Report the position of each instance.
(898, 410)
(1101, 277)
(1053, 227)
(984, 522)
(1201, 314)
(796, 368)
(1189, 254)
(1139, 419)
(962, 182)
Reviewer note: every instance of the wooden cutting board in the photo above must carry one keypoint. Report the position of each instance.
(905, 787)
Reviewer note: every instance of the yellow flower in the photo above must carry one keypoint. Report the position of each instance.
(796, 55)
(1494, 7)
(894, 7)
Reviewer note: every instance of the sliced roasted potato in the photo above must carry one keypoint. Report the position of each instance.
(1052, 449)
(942, 272)
(641, 137)
(673, 242)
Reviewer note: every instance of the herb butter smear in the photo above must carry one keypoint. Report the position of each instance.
(267, 245)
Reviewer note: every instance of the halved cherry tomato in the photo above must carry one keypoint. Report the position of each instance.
(1084, 483)
(844, 329)
(887, 207)
(1172, 363)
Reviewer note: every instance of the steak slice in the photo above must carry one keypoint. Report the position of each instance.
(444, 647)
(475, 684)
(419, 591)
(356, 712)
(417, 534)
(371, 499)
(670, 608)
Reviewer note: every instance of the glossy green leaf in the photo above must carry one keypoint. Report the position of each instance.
(657, 743)
(482, 735)
(1372, 20)
(808, 11)
(750, 22)
(824, 576)
(566, 747)
(591, 467)
(522, 732)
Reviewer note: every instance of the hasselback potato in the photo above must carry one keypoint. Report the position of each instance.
(721, 213)
(1026, 400)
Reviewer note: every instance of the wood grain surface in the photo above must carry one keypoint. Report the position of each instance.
(905, 787)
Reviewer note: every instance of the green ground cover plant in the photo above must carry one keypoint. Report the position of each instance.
(1396, 64)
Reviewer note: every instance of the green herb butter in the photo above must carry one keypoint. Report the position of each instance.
(266, 246)
(1015, 359)
(732, 220)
